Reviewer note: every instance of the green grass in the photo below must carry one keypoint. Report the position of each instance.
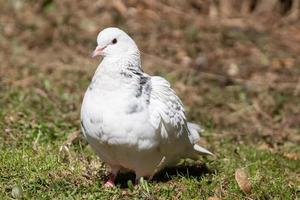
(44, 172)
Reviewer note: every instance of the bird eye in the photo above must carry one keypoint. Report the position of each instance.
(114, 41)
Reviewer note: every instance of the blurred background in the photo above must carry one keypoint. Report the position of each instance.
(235, 65)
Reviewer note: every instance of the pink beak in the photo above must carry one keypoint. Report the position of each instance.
(98, 51)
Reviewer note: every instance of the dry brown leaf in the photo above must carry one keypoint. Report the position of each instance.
(292, 156)
(242, 179)
(213, 198)
(265, 146)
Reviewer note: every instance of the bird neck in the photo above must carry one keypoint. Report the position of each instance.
(119, 62)
(111, 73)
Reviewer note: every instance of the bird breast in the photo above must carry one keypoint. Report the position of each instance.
(116, 116)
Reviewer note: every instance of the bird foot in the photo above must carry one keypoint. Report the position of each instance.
(110, 182)
(137, 182)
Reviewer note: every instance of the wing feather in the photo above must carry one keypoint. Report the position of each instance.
(167, 114)
(166, 109)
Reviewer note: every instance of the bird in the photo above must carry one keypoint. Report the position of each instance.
(134, 121)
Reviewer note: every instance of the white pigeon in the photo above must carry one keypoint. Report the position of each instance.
(132, 120)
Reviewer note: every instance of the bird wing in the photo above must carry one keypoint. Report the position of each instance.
(167, 114)
(166, 109)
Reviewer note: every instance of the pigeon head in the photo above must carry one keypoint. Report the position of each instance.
(113, 42)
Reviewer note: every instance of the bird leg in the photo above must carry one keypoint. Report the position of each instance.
(111, 181)
(112, 177)
(137, 181)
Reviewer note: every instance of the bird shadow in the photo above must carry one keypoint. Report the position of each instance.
(189, 171)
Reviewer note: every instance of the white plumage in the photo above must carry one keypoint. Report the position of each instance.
(132, 120)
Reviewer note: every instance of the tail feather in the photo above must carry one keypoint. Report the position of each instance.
(194, 130)
(201, 149)
(194, 136)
